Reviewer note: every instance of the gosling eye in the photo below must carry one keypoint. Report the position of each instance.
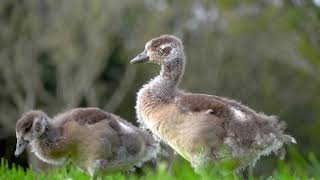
(27, 129)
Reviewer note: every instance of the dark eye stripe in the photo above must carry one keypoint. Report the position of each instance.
(27, 129)
(156, 43)
(166, 50)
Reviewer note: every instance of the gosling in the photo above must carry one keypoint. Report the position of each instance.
(96, 141)
(203, 129)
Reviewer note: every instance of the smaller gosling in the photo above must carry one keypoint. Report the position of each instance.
(96, 141)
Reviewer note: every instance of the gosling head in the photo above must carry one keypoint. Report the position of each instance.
(28, 128)
(160, 50)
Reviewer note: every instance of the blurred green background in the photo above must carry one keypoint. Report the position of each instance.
(59, 54)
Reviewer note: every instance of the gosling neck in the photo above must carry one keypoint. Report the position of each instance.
(172, 71)
(164, 86)
(51, 133)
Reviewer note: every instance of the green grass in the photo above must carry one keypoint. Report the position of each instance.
(296, 168)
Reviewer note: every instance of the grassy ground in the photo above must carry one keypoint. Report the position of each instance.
(296, 168)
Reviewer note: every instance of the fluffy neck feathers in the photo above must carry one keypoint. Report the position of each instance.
(51, 133)
(172, 71)
(48, 139)
(163, 86)
(50, 146)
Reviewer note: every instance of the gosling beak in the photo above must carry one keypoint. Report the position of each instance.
(141, 58)
(21, 146)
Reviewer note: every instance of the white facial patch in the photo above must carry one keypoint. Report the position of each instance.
(147, 45)
(239, 115)
(149, 53)
(165, 45)
(28, 136)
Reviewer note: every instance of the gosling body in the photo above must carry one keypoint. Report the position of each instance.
(94, 140)
(202, 128)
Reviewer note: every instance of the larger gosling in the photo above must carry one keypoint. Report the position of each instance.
(202, 128)
(95, 140)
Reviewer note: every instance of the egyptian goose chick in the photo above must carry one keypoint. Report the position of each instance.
(201, 128)
(94, 140)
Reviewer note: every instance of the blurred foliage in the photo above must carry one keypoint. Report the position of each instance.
(60, 54)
